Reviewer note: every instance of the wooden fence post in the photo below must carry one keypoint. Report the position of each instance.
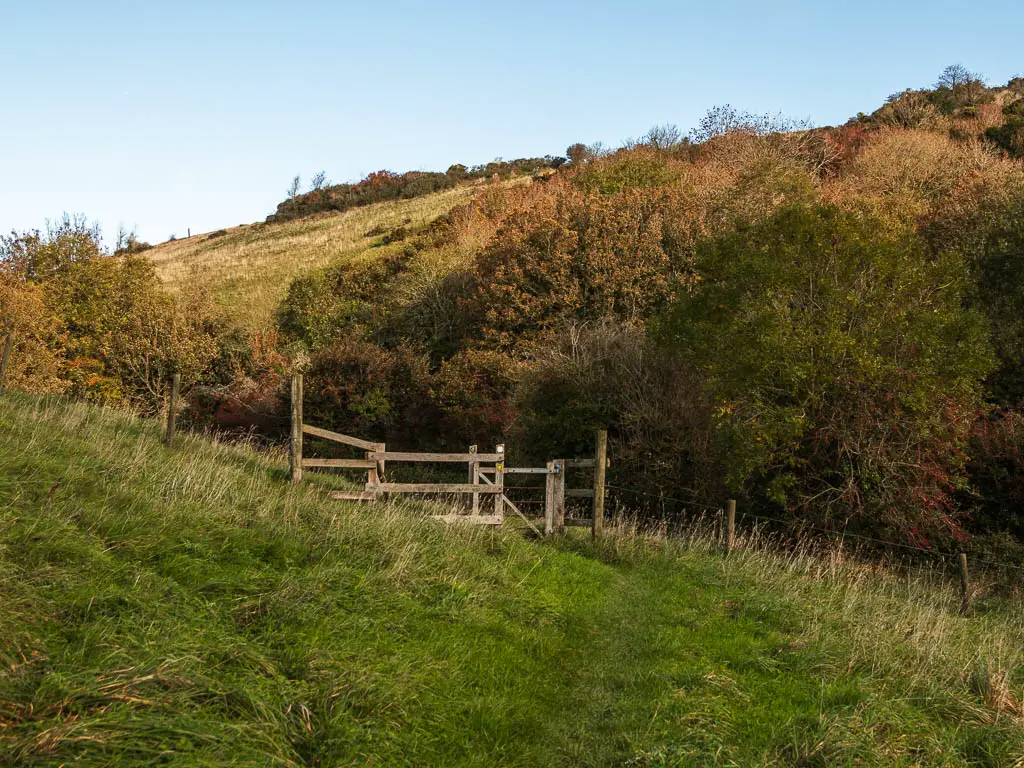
(172, 409)
(474, 478)
(600, 462)
(965, 585)
(295, 444)
(499, 480)
(730, 533)
(557, 495)
(6, 358)
(549, 499)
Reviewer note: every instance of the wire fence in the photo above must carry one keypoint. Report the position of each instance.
(945, 556)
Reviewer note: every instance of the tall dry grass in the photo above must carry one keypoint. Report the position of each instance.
(250, 267)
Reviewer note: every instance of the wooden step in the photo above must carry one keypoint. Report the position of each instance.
(353, 495)
(477, 519)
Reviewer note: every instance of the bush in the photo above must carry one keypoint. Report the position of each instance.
(121, 335)
(606, 375)
(36, 363)
(361, 389)
(1009, 137)
(996, 470)
(326, 303)
(576, 257)
(842, 368)
(473, 390)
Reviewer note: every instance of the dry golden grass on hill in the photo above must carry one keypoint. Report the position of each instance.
(249, 268)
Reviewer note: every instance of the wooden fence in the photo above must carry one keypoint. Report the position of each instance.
(486, 473)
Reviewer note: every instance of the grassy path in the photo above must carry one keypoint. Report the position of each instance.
(190, 608)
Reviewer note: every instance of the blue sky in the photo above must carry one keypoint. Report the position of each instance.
(196, 115)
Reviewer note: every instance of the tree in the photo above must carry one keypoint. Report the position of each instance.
(112, 333)
(457, 172)
(295, 187)
(1000, 284)
(954, 76)
(724, 119)
(318, 182)
(35, 255)
(843, 368)
(37, 362)
(577, 153)
(664, 137)
(580, 257)
(963, 85)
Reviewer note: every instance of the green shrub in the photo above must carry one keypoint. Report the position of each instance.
(473, 390)
(834, 352)
(361, 389)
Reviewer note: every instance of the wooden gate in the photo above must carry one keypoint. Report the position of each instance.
(486, 476)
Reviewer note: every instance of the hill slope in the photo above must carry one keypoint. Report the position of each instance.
(250, 267)
(192, 608)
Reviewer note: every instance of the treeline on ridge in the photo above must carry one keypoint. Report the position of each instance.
(382, 186)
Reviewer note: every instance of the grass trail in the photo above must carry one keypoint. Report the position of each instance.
(192, 608)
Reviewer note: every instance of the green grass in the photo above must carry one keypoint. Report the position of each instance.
(190, 607)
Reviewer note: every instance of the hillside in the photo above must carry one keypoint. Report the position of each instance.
(757, 310)
(192, 608)
(250, 267)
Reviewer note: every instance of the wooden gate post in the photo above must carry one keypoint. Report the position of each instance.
(554, 498)
(600, 462)
(6, 358)
(549, 499)
(560, 496)
(295, 443)
(172, 409)
(499, 480)
(474, 479)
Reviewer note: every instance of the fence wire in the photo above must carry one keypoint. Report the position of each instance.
(811, 527)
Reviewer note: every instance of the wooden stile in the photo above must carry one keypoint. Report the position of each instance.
(441, 488)
(478, 477)
(435, 458)
(339, 463)
(172, 409)
(337, 437)
(600, 462)
(295, 443)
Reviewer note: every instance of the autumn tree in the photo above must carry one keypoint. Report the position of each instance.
(842, 368)
(117, 336)
(577, 153)
(580, 256)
